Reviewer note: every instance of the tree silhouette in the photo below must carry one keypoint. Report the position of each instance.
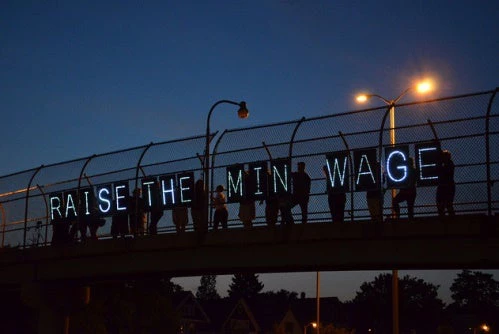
(419, 306)
(207, 289)
(245, 285)
(281, 295)
(476, 296)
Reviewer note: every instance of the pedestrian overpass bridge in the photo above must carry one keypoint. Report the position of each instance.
(467, 125)
(467, 241)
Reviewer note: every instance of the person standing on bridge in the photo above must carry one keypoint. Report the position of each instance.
(375, 195)
(247, 210)
(407, 194)
(336, 199)
(137, 212)
(198, 211)
(301, 190)
(446, 188)
(221, 215)
(156, 208)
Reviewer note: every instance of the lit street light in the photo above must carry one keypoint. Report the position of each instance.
(242, 112)
(483, 328)
(422, 87)
(312, 324)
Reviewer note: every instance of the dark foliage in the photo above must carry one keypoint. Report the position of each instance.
(419, 307)
(245, 286)
(207, 290)
(476, 300)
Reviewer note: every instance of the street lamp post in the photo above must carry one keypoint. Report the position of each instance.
(422, 87)
(242, 112)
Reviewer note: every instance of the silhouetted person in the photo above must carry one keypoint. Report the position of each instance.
(407, 194)
(198, 209)
(336, 200)
(76, 226)
(60, 232)
(285, 203)
(91, 220)
(94, 224)
(221, 214)
(247, 211)
(446, 188)
(137, 212)
(119, 224)
(301, 190)
(375, 198)
(271, 209)
(156, 208)
(271, 204)
(180, 217)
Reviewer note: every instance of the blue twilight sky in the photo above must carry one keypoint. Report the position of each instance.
(85, 77)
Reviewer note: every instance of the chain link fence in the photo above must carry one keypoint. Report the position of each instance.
(466, 125)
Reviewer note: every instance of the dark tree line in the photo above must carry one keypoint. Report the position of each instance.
(475, 298)
(146, 305)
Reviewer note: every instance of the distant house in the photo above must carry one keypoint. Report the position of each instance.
(331, 311)
(192, 314)
(217, 311)
(267, 315)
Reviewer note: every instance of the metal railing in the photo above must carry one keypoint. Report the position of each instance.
(467, 125)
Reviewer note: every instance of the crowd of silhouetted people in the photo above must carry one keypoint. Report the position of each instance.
(140, 219)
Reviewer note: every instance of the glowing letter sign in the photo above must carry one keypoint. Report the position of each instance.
(281, 180)
(366, 168)
(104, 198)
(337, 171)
(121, 195)
(256, 187)
(235, 183)
(150, 189)
(185, 188)
(427, 157)
(55, 207)
(397, 170)
(168, 197)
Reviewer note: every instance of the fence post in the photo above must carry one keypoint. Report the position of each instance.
(26, 204)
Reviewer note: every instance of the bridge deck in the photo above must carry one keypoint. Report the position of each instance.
(426, 243)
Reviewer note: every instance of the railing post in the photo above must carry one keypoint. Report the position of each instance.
(4, 222)
(78, 191)
(26, 205)
(46, 212)
(292, 140)
(136, 198)
(487, 152)
(215, 149)
(351, 178)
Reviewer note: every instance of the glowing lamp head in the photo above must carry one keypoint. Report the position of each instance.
(361, 98)
(314, 324)
(485, 328)
(424, 87)
(243, 111)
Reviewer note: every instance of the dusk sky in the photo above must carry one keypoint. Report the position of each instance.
(85, 77)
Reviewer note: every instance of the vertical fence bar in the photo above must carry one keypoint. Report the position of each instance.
(487, 152)
(26, 204)
(4, 222)
(82, 171)
(380, 154)
(40, 188)
(351, 176)
(210, 187)
(136, 198)
(292, 140)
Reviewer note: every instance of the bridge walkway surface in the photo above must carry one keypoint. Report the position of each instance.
(469, 241)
